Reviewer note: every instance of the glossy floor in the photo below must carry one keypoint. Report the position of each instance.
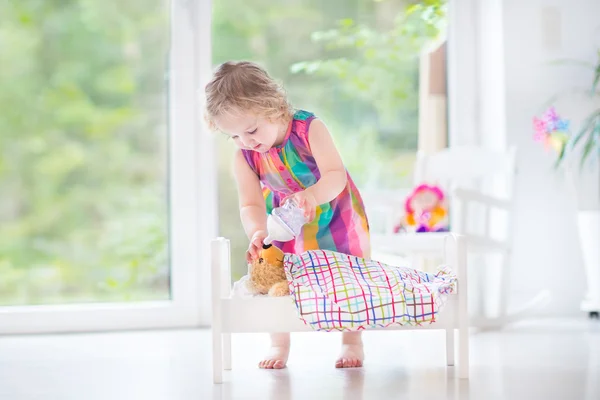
(550, 359)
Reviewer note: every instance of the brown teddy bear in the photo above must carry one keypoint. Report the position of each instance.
(267, 275)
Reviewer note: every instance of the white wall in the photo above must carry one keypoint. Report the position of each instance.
(546, 252)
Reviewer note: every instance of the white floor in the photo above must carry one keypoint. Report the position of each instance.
(557, 359)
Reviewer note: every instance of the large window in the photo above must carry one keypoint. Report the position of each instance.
(356, 64)
(83, 211)
(99, 161)
(107, 178)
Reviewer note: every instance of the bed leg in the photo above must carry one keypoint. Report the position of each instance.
(450, 347)
(217, 356)
(219, 250)
(463, 311)
(227, 351)
(463, 365)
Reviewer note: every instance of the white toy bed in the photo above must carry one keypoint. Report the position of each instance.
(236, 311)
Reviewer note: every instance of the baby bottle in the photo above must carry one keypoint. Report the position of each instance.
(285, 223)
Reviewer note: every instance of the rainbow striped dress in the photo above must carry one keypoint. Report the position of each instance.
(340, 225)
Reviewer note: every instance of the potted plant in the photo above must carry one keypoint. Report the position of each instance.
(578, 154)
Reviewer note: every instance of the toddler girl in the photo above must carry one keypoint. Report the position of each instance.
(286, 154)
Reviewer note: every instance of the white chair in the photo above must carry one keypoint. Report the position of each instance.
(479, 183)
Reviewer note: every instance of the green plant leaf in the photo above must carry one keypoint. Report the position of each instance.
(589, 145)
(596, 78)
(560, 157)
(585, 129)
(574, 62)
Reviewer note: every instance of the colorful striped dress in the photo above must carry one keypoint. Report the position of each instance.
(340, 225)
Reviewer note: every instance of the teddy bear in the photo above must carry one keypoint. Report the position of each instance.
(267, 275)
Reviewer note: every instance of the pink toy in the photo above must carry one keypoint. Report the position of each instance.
(425, 211)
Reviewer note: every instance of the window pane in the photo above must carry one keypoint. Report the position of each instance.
(353, 63)
(83, 145)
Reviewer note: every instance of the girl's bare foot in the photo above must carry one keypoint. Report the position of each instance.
(276, 358)
(351, 355)
(278, 354)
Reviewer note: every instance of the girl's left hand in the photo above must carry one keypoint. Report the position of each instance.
(306, 201)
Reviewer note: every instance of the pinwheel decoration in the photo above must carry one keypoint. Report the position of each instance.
(551, 130)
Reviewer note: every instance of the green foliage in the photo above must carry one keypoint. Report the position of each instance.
(379, 69)
(585, 144)
(82, 155)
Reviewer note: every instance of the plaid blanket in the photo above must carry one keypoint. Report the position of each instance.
(334, 291)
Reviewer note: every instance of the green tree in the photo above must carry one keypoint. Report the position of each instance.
(82, 154)
(379, 69)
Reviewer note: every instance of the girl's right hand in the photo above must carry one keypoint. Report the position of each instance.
(256, 244)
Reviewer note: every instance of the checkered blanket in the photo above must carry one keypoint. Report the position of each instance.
(334, 291)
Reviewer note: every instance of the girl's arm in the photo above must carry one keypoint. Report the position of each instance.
(333, 173)
(251, 202)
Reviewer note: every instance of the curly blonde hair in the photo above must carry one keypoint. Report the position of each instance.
(245, 86)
